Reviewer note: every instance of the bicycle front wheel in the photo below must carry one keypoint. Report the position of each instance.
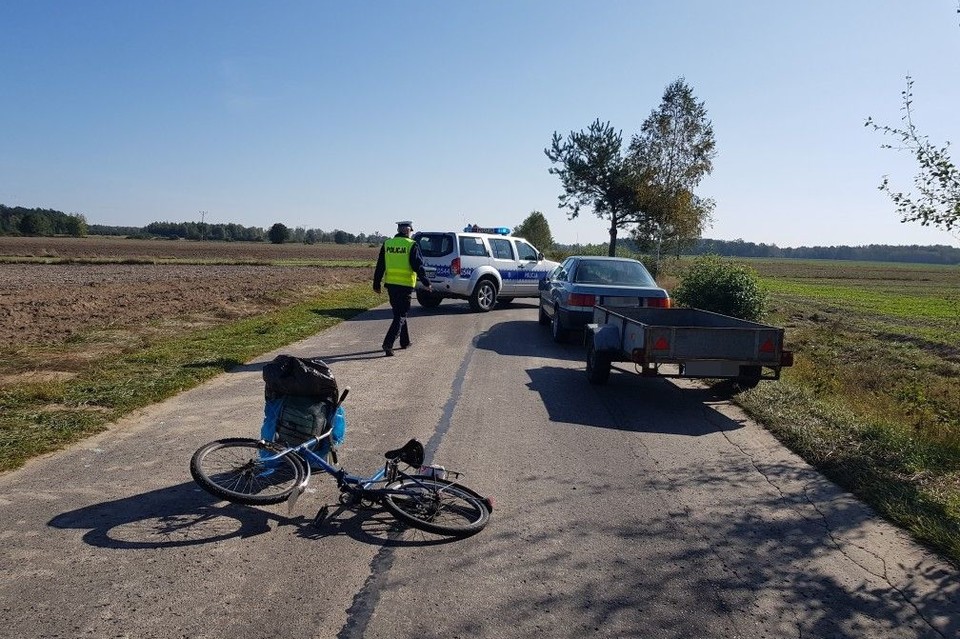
(234, 469)
(437, 506)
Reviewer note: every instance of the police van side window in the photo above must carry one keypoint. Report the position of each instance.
(435, 244)
(526, 252)
(472, 246)
(501, 249)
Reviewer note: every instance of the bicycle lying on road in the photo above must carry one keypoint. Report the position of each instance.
(257, 472)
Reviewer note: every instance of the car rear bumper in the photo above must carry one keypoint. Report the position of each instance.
(575, 318)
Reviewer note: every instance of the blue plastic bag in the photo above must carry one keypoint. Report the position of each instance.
(271, 415)
(339, 426)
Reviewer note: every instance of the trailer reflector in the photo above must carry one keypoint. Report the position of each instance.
(661, 344)
(767, 346)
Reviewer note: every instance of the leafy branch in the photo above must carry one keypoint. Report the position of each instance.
(937, 202)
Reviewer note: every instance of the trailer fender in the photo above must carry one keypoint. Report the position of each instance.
(605, 338)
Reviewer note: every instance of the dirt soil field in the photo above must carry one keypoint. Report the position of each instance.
(50, 303)
(122, 248)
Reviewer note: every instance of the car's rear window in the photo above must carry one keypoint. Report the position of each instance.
(435, 244)
(616, 273)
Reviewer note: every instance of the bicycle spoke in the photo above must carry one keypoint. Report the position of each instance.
(234, 469)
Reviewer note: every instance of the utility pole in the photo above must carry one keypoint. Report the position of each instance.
(203, 227)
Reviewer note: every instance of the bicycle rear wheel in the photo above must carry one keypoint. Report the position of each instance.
(438, 506)
(233, 469)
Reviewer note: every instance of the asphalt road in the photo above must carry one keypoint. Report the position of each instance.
(644, 508)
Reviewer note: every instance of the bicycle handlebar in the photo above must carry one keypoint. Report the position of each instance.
(343, 396)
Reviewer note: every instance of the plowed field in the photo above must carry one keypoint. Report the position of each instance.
(50, 303)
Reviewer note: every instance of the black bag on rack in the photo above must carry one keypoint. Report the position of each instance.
(302, 418)
(303, 376)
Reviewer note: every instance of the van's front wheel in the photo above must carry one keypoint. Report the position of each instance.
(484, 296)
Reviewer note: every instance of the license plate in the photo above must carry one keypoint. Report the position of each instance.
(621, 302)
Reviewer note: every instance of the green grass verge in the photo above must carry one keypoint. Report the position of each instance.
(873, 400)
(40, 417)
(910, 480)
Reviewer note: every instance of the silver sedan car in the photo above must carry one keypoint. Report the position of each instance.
(571, 290)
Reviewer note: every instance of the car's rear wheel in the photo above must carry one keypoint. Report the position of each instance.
(556, 327)
(543, 319)
(427, 299)
(484, 295)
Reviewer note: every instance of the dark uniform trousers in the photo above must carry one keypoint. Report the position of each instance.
(400, 303)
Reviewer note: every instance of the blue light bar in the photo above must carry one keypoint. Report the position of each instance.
(496, 230)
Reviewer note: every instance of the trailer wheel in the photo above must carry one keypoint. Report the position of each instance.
(749, 377)
(598, 365)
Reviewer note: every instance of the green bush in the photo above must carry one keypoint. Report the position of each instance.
(713, 284)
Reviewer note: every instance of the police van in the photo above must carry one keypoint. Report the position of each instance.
(481, 265)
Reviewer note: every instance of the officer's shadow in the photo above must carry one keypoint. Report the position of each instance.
(350, 357)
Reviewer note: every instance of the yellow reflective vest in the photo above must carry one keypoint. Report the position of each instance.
(396, 255)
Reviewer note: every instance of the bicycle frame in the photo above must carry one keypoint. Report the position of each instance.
(427, 497)
(354, 484)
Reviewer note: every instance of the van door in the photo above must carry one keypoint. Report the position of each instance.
(529, 268)
(506, 262)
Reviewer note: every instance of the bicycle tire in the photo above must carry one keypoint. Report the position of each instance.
(438, 506)
(232, 470)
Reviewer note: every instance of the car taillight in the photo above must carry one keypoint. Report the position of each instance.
(455, 266)
(580, 299)
(658, 302)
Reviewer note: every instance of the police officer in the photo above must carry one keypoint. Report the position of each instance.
(399, 265)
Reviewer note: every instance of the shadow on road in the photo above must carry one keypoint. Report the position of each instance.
(767, 563)
(185, 515)
(181, 515)
(628, 402)
(416, 310)
(518, 338)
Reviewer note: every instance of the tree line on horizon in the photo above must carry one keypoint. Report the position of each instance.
(278, 233)
(935, 254)
(912, 254)
(18, 220)
(21, 221)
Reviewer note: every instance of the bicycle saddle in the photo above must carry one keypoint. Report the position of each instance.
(410, 453)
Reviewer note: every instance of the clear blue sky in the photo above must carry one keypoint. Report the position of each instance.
(352, 115)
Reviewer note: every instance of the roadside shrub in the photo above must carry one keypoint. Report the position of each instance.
(713, 284)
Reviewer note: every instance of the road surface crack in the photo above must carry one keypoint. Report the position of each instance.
(825, 523)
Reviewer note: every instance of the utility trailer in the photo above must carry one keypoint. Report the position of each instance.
(683, 342)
